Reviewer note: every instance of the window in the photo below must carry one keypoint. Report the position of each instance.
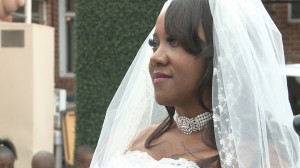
(294, 12)
(66, 38)
(38, 13)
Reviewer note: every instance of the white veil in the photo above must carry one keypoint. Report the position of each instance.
(131, 109)
(252, 115)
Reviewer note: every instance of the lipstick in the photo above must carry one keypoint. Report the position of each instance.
(159, 77)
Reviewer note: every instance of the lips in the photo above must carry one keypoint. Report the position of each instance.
(158, 75)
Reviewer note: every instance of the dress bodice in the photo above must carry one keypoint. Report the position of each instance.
(137, 159)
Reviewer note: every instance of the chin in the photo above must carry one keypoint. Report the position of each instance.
(163, 101)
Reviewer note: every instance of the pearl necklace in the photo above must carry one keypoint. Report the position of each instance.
(189, 125)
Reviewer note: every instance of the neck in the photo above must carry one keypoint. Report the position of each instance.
(191, 111)
(192, 107)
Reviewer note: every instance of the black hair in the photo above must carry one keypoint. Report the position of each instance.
(43, 159)
(82, 151)
(182, 22)
(7, 146)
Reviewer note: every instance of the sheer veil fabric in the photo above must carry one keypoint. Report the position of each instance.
(252, 114)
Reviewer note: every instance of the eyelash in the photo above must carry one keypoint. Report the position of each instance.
(172, 42)
(153, 43)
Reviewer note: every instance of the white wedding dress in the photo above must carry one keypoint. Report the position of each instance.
(137, 159)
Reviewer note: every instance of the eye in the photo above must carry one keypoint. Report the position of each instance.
(172, 42)
(153, 43)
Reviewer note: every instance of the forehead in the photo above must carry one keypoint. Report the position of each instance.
(160, 23)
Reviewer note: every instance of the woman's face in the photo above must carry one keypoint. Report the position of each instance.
(6, 160)
(176, 74)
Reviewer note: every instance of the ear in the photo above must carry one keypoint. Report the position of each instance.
(201, 32)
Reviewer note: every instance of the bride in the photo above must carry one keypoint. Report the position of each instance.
(206, 89)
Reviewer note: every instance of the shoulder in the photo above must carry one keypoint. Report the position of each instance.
(139, 140)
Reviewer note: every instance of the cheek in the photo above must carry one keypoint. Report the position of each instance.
(199, 68)
(198, 72)
(150, 68)
(193, 73)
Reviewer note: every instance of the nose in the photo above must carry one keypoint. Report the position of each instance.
(159, 58)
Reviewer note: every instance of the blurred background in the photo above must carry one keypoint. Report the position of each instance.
(61, 62)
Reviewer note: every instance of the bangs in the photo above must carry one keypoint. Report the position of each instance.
(183, 25)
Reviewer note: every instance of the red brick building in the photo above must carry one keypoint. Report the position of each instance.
(287, 18)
